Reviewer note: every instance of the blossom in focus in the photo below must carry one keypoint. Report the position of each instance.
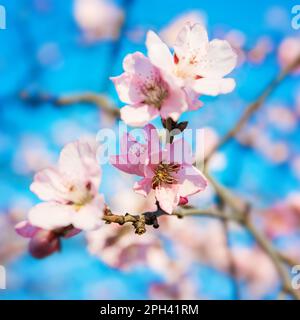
(197, 64)
(168, 176)
(99, 19)
(69, 191)
(43, 242)
(148, 92)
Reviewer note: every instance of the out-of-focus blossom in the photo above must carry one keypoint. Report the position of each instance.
(183, 288)
(170, 32)
(210, 139)
(32, 155)
(43, 242)
(120, 248)
(255, 268)
(260, 51)
(206, 142)
(11, 245)
(126, 200)
(99, 19)
(237, 40)
(297, 98)
(276, 152)
(256, 137)
(148, 92)
(197, 63)
(280, 219)
(168, 174)
(289, 50)
(282, 117)
(295, 165)
(204, 242)
(70, 190)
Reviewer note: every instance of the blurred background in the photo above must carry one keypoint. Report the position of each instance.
(55, 47)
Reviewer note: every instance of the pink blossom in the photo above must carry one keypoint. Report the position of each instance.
(182, 289)
(99, 19)
(43, 242)
(120, 248)
(167, 174)
(70, 191)
(289, 50)
(259, 280)
(197, 63)
(170, 32)
(148, 92)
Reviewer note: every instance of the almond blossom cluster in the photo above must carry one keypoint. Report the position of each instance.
(163, 84)
(168, 176)
(71, 202)
(167, 84)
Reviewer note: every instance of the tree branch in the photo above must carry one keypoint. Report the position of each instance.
(100, 100)
(256, 105)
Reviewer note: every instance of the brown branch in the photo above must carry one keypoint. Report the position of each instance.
(256, 105)
(291, 262)
(139, 222)
(99, 100)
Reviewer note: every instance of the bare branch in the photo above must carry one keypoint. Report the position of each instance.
(99, 100)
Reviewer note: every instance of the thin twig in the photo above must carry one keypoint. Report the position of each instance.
(232, 270)
(256, 105)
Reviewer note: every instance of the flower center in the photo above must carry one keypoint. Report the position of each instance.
(164, 174)
(185, 66)
(155, 94)
(80, 195)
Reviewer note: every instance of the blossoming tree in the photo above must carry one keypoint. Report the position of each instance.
(165, 84)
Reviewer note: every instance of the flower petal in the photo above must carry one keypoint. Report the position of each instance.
(213, 87)
(191, 181)
(51, 215)
(126, 89)
(44, 244)
(168, 198)
(139, 67)
(139, 115)
(26, 230)
(176, 102)
(192, 38)
(48, 185)
(193, 99)
(89, 217)
(143, 186)
(219, 60)
(122, 163)
(78, 163)
(158, 52)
